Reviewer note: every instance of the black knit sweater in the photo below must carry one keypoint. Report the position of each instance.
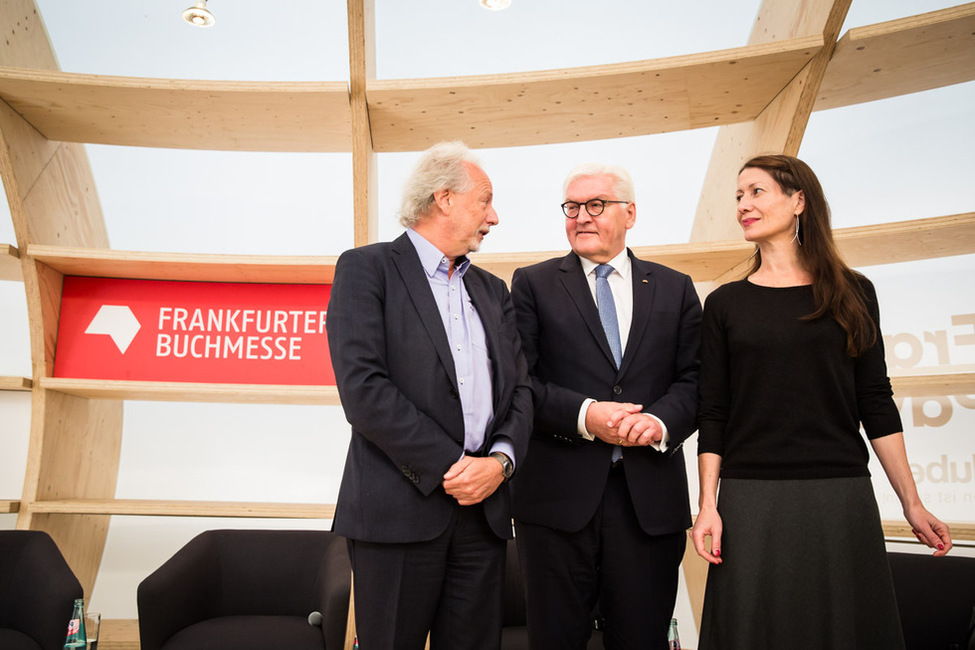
(780, 396)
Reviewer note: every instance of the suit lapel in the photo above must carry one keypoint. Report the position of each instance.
(576, 285)
(643, 288)
(407, 263)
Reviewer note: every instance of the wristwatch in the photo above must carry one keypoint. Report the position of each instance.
(507, 467)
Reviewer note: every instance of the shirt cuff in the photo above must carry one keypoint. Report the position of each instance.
(506, 448)
(581, 420)
(664, 438)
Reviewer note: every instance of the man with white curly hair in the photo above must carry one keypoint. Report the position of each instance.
(431, 376)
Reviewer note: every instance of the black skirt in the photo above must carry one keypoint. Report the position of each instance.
(804, 567)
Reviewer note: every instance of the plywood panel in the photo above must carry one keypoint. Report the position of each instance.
(958, 383)
(119, 634)
(192, 392)
(588, 103)
(26, 42)
(185, 114)
(75, 455)
(10, 264)
(902, 529)
(903, 56)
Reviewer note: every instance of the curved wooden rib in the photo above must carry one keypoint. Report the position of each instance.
(215, 115)
(590, 103)
(903, 56)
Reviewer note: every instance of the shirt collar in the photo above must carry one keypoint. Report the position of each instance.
(620, 264)
(432, 259)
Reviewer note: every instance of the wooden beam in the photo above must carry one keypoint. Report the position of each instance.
(183, 114)
(15, 383)
(907, 241)
(10, 264)
(108, 263)
(899, 241)
(164, 508)
(959, 531)
(588, 103)
(903, 56)
(7, 506)
(780, 126)
(362, 70)
(192, 392)
(938, 385)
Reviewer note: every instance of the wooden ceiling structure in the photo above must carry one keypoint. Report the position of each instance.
(760, 95)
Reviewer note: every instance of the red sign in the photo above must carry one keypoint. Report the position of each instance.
(226, 333)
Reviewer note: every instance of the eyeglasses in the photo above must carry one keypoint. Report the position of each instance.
(594, 207)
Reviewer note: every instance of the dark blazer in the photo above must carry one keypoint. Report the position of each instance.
(396, 378)
(561, 482)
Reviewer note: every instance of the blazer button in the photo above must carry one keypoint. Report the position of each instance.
(617, 390)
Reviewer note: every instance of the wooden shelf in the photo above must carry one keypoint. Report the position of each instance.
(15, 383)
(903, 56)
(163, 508)
(182, 114)
(119, 634)
(587, 103)
(935, 385)
(107, 263)
(959, 531)
(193, 392)
(10, 264)
(900, 241)
(7, 507)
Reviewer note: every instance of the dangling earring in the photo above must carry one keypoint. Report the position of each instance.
(796, 237)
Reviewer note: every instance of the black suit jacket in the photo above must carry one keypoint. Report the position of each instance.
(561, 482)
(396, 378)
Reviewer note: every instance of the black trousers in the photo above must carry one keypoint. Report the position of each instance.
(450, 587)
(634, 577)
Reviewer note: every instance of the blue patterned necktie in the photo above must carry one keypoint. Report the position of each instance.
(607, 311)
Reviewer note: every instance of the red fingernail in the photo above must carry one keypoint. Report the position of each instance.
(941, 547)
(717, 552)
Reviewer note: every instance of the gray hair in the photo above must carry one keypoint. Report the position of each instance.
(622, 187)
(442, 167)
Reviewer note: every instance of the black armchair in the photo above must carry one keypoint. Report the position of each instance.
(37, 591)
(248, 589)
(936, 600)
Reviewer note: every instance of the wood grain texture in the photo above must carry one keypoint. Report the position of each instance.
(365, 171)
(7, 506)
(165, 508)
(16, 383)
(10, 264)
(187, 266)
(185, 114)
(587, 103)
(937, 385)
(903, 56)
(193, 392)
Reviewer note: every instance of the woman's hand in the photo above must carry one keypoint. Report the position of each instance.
(708, 524)
(928, 529)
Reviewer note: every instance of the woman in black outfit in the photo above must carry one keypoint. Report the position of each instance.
(792, 363)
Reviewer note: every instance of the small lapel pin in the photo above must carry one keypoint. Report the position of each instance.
(644, 282)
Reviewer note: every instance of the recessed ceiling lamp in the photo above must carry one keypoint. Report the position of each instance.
(199, 15)
(495, 5)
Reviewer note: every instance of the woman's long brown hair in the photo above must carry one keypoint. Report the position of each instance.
(836, 287)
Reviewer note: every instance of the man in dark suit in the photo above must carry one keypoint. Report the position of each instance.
(431, 376)
(601, 504)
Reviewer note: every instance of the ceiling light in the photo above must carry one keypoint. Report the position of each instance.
(496, 5)
(199, 15)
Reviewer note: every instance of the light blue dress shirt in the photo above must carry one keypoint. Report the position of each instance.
(468, 343)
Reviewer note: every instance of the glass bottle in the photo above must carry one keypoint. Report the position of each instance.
(673, 639)
(76, 637)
